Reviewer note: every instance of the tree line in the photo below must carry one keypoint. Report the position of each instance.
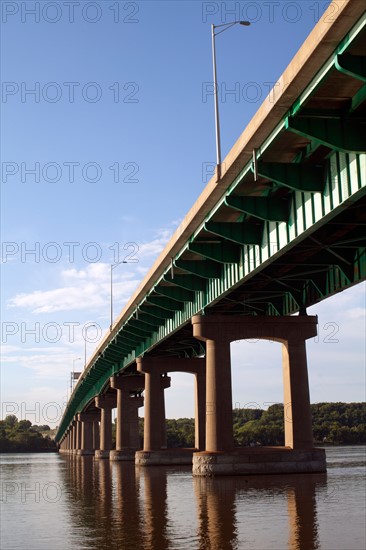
(19, 436)
(333, 424)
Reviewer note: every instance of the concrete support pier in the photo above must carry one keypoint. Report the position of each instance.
(106, 403)
(220, 457)
(155, 451)
(129, 400)
(87, 420)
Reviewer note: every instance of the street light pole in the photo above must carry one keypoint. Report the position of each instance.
(72, 374)
(224, 27)
(111, 281)
(216, 98)
(86, 333)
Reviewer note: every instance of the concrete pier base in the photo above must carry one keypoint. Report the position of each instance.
(84, 452)
(127, 455)
(164, 457)
(101, 454)
(259, 460)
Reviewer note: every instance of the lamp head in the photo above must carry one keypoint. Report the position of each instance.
(245, 23)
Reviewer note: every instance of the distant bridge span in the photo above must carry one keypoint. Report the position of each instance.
(283, 228)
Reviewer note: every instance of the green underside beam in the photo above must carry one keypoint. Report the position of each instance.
(241, 233)
(343, 134)
(264, 208)
(176, 293)
(158, 312)
(165, 303)
(352, 65)
(225, 252)
(207, 269)
(294, 176)
(187, 282)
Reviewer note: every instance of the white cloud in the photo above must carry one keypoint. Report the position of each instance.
(89, 288)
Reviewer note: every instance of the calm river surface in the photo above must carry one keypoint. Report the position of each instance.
(55, 502)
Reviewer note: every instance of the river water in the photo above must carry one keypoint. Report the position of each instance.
(50, 502)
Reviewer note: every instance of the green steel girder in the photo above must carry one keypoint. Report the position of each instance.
(158, 312)
(343, 134)
(117, 348)
(141, 334)
(352, 65)
(150, 320)
(176, 293)
(139, 325)
(112, 354)
(224, 252)
(165, 303)
(129, 339)
(187, 282)
(208, 269)
(294, 176)
(265, 208)
(122, 345)
(242, 233)
(358, 98)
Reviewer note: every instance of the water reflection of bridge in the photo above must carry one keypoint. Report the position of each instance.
(120, 505)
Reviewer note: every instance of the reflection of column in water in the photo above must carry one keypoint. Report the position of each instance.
(156, 513)
(104, 504)
(85, 478)
(82, 503)
(126, 518)
(216, 512)
(302, 514)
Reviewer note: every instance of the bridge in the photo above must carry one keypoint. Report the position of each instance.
(280, 227)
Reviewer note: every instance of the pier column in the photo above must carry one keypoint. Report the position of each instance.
(106, 403)
(74, 439)
(96, 435)
(154, 408)
(136, 402)
(78, 435)
(200, 411)
(127, 411)
(164, 384)
(297, 411)
(87, 420)
(156, 381)
(219, 413)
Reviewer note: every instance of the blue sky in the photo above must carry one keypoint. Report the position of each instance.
(108, 153)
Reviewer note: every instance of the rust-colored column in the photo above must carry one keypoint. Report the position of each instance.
(163, 365)
(219, 415)
(123, 414)
(135, 403)
(153, 430)
(127, 411)
(86, 420)
(106, 429)
(164, 383)
(106, 403)
(297, 412)
(96, 435)
(200, 411)
(74, 439)
(152, 427)
(78, 435)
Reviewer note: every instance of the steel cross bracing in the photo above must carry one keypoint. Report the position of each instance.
(289, 232)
